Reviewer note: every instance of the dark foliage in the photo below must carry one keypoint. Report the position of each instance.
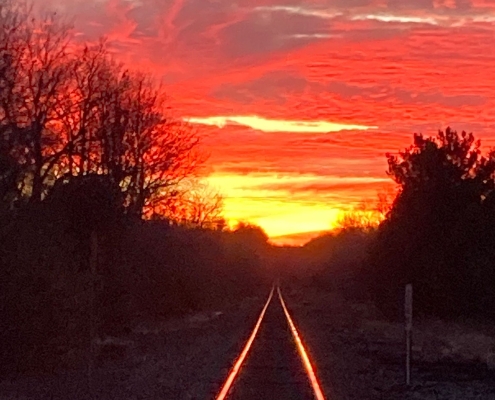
(147, 271)
(86, 150)
(439, 233)
(90, 202)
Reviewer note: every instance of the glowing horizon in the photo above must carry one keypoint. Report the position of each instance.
(300, 101)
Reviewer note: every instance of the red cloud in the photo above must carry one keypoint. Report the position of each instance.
(415, 66)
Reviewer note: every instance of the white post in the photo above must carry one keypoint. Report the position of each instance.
(408, 308)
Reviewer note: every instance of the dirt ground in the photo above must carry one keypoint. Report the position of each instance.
(359, 355)
(183, 359)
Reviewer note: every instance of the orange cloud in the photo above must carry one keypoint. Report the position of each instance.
(306, 71)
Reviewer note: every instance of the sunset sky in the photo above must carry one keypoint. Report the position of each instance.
(300, 100)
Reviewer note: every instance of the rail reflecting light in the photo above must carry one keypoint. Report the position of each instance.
(302, 351)
(237, 366)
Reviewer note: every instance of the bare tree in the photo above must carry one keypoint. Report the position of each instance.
(118, 126)
(83, 115)
(385, 200)
(206, 208)
(12, 18)
(365, 217)
(148, 153)
(196, 204)
(35, 71)
(67, 111)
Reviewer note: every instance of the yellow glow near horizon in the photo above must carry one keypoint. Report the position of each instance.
(306, 220)
(284, 218)
(277, 125)
(277, 212)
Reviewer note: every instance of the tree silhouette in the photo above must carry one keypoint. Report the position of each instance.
(86, 146)
(196, 204)
(67, 111)
(364, 217)
(436, 232)
(35, 63)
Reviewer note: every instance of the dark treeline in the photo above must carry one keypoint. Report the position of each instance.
(438, 234)
(104, 220)
(146, 272)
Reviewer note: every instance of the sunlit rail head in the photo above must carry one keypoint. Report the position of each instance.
(237, 366)
(302, 351)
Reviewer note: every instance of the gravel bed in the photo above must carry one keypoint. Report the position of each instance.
(358, 355)
(187, 358)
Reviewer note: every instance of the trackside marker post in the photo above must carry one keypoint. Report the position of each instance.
(408, 309)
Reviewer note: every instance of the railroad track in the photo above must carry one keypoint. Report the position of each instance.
(274, 363)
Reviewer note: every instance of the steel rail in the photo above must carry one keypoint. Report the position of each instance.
(302, 351)
(237, 366)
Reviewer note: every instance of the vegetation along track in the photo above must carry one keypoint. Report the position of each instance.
(273, 363)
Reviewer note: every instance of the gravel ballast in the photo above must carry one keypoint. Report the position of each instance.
(356, 354)
(359, 355)
(181, 359)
